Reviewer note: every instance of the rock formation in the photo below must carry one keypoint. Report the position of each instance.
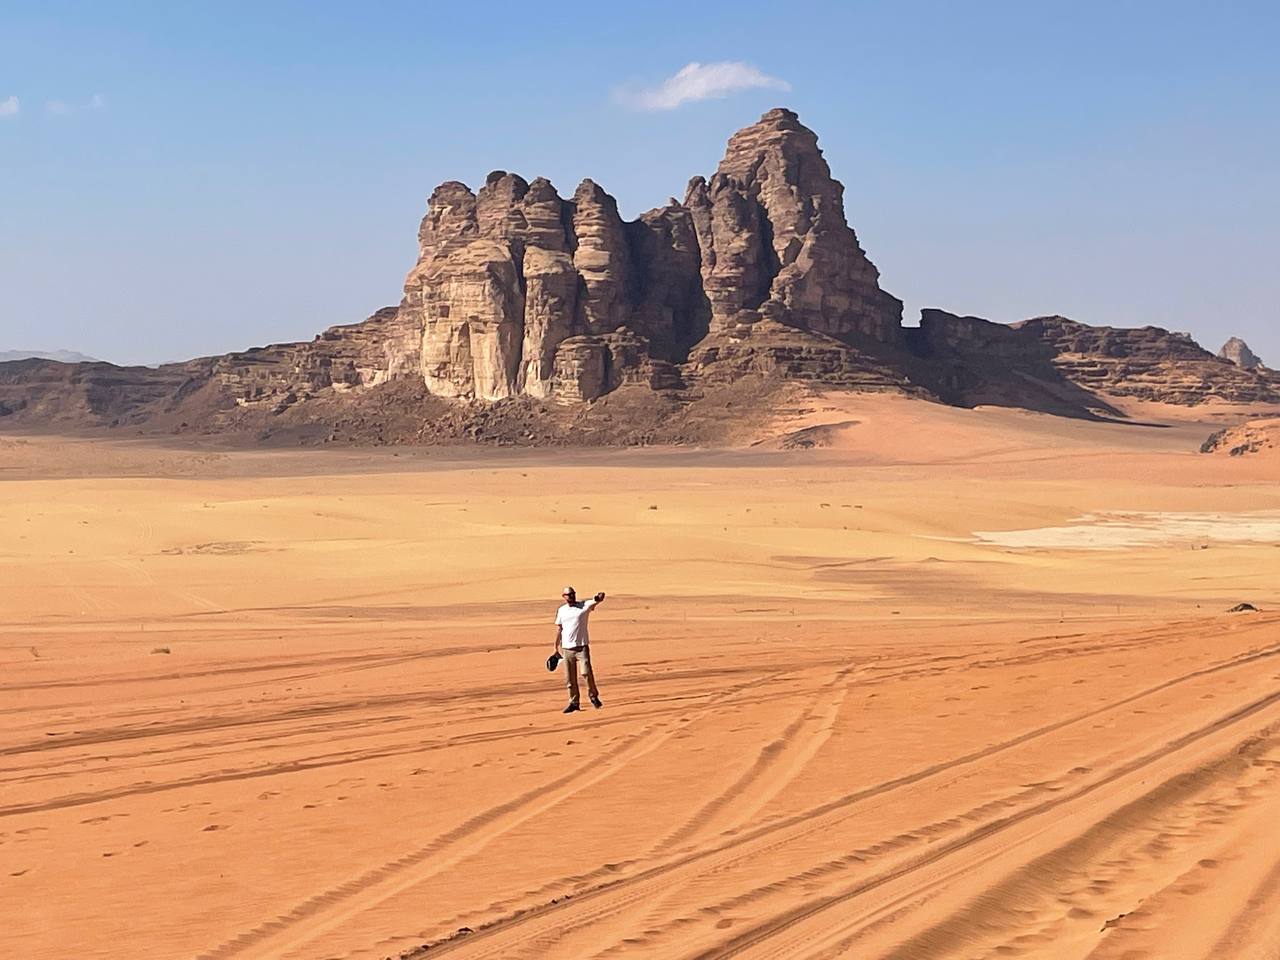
(521, 292)
(970, 361)
(1238, 352)
(1146, 363)
(775, 242)
(1253, 436)
(40, 391)
(348, 357)
(517, 291)
(522, 302)
(1057, 364)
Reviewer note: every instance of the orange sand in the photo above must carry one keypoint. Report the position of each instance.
(837, 722)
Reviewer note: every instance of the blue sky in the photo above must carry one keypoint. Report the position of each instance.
(183, 179)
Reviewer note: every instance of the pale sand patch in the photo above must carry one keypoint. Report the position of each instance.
(1114, 531)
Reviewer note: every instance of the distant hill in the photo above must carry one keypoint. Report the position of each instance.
(1238, 352)
(62, 356)
(534, 319)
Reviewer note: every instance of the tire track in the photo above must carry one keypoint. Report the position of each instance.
(1030, 885)
(413, 747)
(523, 690)
(371, 887)
(797, 743)
(417, 746)
(790, 750)
(762, 934)
(617, 894)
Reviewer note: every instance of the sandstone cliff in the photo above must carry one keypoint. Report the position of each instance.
(1147, 363)
(1238, 352)
(775, 242)
(525, 311)
(1059, 365)
(519, 291)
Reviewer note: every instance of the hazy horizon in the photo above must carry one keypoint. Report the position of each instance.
(192, 182)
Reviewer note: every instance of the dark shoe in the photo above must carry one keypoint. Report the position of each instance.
(595, 702)
(571, 708)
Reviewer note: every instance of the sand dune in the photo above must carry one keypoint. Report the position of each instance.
(293, 705)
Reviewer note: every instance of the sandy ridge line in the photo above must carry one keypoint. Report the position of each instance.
(739, 945)
(782, 831)
(501, 818)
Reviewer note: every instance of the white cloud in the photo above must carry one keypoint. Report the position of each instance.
(9, 107)
(703, 81)
(61, 108)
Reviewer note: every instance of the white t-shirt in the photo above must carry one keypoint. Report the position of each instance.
(572, 621)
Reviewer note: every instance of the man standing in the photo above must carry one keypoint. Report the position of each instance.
(573, 644)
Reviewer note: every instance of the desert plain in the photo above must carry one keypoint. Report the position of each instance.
(946, 683)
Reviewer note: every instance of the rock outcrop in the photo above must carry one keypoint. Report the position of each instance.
(519, 291)
(74, 395)
(775, 242)
(1146, 363)
(342, 358)
(970, 361)
(1061, 366)
(523, 306)
(1237, 351)
(1253, 436)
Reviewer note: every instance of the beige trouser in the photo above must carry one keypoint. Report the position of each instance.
(573, 660)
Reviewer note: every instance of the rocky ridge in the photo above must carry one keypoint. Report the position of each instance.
(1238, 352)
(1146, 363)
(525, 309)
(1250, 437)
(62, 356)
